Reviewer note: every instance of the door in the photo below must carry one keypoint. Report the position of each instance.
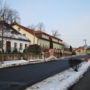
(8, 46)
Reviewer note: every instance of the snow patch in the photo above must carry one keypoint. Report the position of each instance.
(13, 63)
(51, 58)
(14, 36)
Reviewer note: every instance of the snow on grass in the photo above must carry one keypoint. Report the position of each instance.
(23, 62)
(13, 63)
(63, 80)
(50, 58)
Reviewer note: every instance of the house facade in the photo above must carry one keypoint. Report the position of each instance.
(39, 37)
(56, 42)
(26, 32)
(43, 39)
(80, 50)
(12, 40)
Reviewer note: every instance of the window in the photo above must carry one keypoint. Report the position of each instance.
(20, 46)
(25, 46)
(15, 45)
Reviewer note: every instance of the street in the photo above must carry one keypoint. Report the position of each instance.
(20, 77)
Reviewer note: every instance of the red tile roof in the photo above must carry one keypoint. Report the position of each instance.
(55, 37)
(38, 32)
(80, 48)
(27, 29)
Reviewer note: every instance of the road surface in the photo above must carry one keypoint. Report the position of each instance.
(16, 78)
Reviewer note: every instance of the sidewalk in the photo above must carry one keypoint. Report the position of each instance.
(84, 83)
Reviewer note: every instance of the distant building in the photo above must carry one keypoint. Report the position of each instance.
(88, 50)
(39, 37)
(80, 50)
(12, 39)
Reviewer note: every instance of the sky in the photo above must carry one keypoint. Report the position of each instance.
(70, 17)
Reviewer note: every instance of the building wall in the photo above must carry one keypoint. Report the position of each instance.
(44, 43)
(41, 42)
(57, 46)
(32, 38)
(88, 51)
(12, 44)
(81, 52)
(55, 40)
(45, 36)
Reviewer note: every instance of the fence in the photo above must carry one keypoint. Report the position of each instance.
(20, 56)
(30, 56)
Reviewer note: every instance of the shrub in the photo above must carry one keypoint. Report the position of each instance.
(33, 49)
(15, 51)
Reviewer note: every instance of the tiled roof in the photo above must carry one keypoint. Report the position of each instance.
(29, 30)
(80, 48)
(55, 37)
(37, 32)
(9, 32)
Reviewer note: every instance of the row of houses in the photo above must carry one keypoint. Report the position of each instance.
(18, 37)
(82, 50)
(39, 37)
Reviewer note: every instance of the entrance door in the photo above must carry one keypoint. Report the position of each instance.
(8, 46)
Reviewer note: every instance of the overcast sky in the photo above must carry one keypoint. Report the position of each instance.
(70, 17)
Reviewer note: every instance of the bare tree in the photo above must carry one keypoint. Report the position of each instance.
(7, 14)
(40, 26)
(32, 26)
(66, 46)
(56, 33)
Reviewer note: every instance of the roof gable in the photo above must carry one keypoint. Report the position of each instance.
(37, 33)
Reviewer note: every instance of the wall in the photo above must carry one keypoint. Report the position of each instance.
(45, 36)
(41, 42)
(15, 41)
(55, 40)
(81, 52)
(57, 46)
(44, 43)
(31, 37)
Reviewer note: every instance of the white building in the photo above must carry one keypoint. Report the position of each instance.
(12, 40)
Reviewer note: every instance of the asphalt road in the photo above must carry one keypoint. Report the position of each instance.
(17, 78)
